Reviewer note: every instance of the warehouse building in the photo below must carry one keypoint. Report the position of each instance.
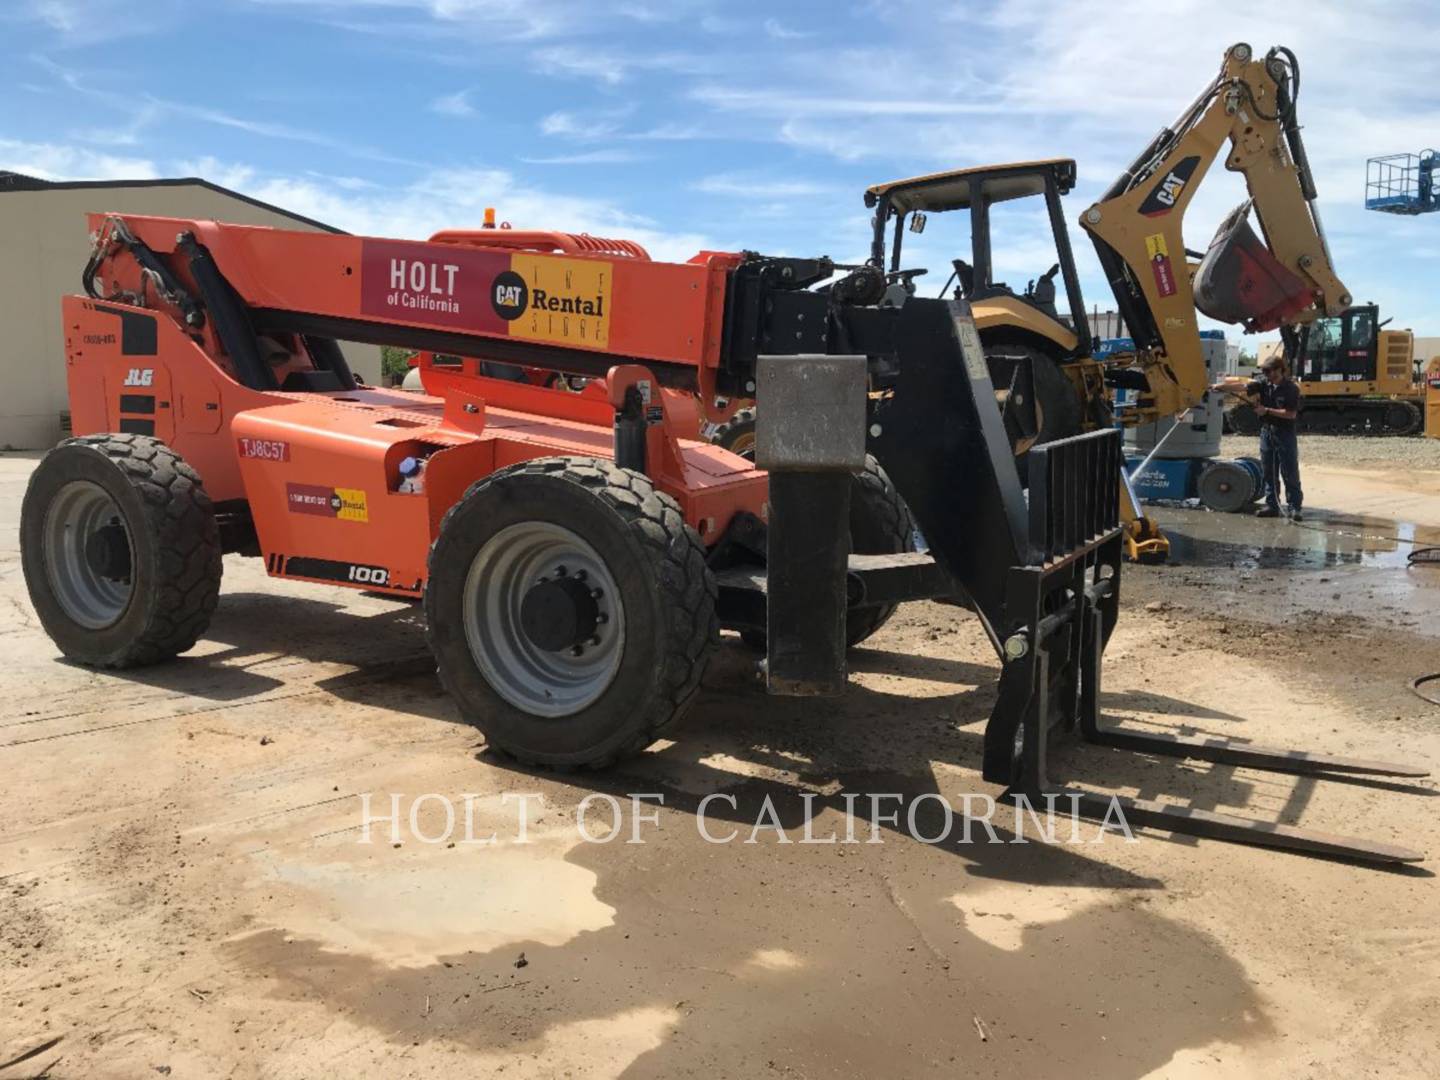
(45, 248)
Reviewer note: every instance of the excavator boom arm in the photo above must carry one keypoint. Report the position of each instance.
(1137, 227)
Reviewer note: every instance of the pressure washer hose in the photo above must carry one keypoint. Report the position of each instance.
(1421, 681)
(1418, 557)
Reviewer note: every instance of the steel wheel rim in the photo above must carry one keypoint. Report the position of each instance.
(79, 510)
(537, 680)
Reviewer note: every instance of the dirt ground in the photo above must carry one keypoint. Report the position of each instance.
(185, 890)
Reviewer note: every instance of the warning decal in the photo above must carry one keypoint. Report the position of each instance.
(1159, 254)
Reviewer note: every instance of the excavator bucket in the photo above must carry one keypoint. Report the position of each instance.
(1241, 281)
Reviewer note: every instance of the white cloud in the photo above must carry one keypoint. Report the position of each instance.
(670, 132)
(484, 20)
(584, 63)
(86, 22)
(588, 125)
(778, 30)
(613, 67)
(775, 102)
(587, 157)
(49, 161)
(272, 130)
(751, 186)
(450, 198)
(456, 104)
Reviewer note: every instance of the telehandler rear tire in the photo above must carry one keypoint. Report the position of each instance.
(120, 550)
(570, 610)
(1060, 412)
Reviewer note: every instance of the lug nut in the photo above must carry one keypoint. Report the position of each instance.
(580, 575)
(578, 650)
(595, 640)
(561, 571)
(596, 594)
(601, 618)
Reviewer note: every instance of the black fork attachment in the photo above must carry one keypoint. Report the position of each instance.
(1041, 569)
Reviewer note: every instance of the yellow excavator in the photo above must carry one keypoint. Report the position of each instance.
(1355, 375)
(1044, 359)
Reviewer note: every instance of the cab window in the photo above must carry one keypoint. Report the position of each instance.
(1323, 355)
(1362, 330)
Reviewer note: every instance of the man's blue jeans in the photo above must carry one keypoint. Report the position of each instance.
(1280, 458)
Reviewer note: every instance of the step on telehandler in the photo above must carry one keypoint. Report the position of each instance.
(577, 553)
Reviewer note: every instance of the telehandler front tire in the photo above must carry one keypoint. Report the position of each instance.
(570, 610)
(880, 524)
(120, 550)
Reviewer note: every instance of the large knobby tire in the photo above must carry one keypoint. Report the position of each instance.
(120, 550)
(1060, 411)
(880, 524)
(737, 434)
(570, 610)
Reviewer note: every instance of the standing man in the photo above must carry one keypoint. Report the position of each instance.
(1276, 400)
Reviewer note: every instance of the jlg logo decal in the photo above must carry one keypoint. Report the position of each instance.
(347, 504)
(140, 377)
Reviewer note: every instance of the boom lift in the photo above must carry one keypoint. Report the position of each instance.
(1136, 226)
(577, 552)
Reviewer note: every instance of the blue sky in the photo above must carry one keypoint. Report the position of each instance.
(694, 124)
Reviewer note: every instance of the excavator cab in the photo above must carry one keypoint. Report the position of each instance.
(1032, 314)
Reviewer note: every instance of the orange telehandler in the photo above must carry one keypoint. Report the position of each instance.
(577, 553)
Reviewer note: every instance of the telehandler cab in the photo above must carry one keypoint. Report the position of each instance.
(577, 553)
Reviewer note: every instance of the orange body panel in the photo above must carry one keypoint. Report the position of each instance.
(320, 471)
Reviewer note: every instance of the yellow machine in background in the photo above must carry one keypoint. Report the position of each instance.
(1354, 376)
(1041, 360)
(1432, 398)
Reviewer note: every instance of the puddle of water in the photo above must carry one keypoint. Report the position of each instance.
(1324, 539)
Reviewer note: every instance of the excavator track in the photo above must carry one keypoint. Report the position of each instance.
(1341, 416)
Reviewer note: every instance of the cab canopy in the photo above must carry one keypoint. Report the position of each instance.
(955, 190)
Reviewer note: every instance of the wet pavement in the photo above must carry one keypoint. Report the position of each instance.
(1309, 565)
